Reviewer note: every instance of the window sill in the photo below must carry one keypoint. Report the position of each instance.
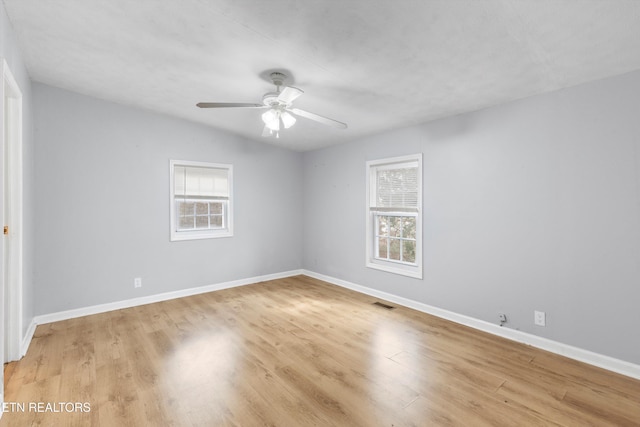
(182, 236)
(409, 271)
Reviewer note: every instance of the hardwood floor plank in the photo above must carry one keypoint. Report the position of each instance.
(302, 352)
(548, 406)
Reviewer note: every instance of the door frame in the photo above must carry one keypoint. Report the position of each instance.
(11, 131)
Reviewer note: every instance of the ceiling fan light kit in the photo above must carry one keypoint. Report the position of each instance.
(279, 112)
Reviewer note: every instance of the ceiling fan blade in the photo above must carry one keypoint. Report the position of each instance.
(228, 105)
(289, 93)
(318, 118)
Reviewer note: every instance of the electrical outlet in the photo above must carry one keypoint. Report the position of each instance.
(137, 282)
(539, 318)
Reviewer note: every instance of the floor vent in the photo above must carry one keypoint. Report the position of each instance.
(379, 304)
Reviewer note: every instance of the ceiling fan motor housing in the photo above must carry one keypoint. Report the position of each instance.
(270, 99)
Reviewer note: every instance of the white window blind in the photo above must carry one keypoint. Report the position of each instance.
(397, 189)
(198, 182)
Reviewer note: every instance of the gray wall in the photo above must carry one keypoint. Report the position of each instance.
(102, 190)
(10, 52)
(534, 205)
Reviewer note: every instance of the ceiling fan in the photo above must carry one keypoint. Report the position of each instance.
(280, 113)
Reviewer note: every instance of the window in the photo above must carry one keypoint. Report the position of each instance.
(200, 200)
(394, 218)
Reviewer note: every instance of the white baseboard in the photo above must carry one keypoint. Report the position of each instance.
(102, 308)
(26, 340)
(606, 362)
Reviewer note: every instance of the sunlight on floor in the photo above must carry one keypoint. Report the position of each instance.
(205, 360)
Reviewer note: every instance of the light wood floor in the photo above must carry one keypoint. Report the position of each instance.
(300, 352)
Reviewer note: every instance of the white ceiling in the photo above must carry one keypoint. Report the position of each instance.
(374, 64)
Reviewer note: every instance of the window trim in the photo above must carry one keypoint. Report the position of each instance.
(402, 268)
(176, 235)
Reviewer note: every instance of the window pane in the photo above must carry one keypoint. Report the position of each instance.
(202, 221)
(383, 226)
(409, 227)
(394, 249)
(394, 226)
(185, 208)
(202, 208)
(216, 208)
(382, 248)
(409, 251)
(186, 222)
(216, 221)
